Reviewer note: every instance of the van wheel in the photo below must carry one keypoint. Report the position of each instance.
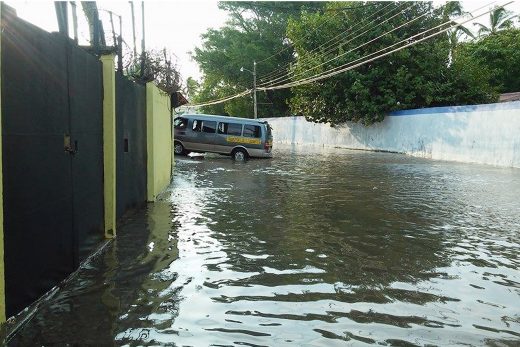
(178, 149)
(239, 155)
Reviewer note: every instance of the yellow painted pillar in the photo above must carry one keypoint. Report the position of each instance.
(150, 162)
(109, 143)
(158, 141)
(2, 269)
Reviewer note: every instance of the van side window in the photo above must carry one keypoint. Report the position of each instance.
(209, 126)
(233, 129)
(196, 125)
(251, 131)
(180, 123)
(222, 128)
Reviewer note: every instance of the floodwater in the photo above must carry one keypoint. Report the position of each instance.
(316, 247)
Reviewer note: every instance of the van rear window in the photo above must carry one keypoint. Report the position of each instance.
(233, 129)
(252, 131)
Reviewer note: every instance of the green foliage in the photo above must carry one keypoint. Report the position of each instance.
(498, 57)
(418, 76)
(192, 87)
(440, 71)
(256, 31)
(156, 66)
(499, 19)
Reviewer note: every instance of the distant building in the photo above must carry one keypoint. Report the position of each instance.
(508, 97)
(178, 99)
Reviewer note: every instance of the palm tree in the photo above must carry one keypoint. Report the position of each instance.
(454, 9)
(499, 19)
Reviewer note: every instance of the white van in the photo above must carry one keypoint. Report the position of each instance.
(240, 138)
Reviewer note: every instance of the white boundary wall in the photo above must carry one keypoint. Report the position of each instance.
(485, 134)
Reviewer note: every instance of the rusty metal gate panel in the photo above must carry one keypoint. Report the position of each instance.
(52, 158)
(36, 170)
(130, 144)
(86, 129)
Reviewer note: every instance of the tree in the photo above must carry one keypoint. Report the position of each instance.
(158, 67)
(448, 11)
(256, 31)
(499, 19)
(498, 56)
(418, 76)
(192, 87)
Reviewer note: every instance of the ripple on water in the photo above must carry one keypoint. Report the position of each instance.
(316, 247)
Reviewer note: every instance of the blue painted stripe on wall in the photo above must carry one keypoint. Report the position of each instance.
(454, 109)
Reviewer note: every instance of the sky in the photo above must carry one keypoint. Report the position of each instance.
(176, 25)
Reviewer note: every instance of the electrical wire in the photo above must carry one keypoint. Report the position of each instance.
(287, 47)
(346, 67)
(221, 100)
(325, 10)
(264, 6)
(324, 56)
(284, 69)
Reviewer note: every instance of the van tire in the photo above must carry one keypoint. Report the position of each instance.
(239, 154)
(178, 148)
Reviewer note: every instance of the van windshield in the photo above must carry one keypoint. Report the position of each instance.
(180, 123)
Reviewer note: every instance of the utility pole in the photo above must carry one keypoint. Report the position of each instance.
(74, 20)
(113, 29)
(133, 26)
(255, 111)
(120, 47)
(242, 69)
(143, 56)
(142, 13)
(62, 15)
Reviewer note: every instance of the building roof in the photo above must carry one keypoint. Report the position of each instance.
(178, 99)
(507, 97)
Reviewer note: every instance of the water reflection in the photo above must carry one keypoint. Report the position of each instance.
(315, 247)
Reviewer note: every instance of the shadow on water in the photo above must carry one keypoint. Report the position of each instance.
(316, 247)
(92, 308)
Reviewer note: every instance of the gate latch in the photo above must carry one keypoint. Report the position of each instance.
(67, 147)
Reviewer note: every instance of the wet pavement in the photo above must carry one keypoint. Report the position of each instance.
(316, 247)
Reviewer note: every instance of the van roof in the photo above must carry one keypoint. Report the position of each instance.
(222, 118)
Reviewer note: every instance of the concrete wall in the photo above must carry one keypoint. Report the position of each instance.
(159, 146)
(485, 134)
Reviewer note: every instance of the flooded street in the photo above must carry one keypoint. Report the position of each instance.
(316, 247)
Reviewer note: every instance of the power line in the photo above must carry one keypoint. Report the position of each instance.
(221, 100)
(336, 57)
(283, 70)
(348, 66)
(287, 47)
(258, 4)
(324, 55)
(278, 7)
